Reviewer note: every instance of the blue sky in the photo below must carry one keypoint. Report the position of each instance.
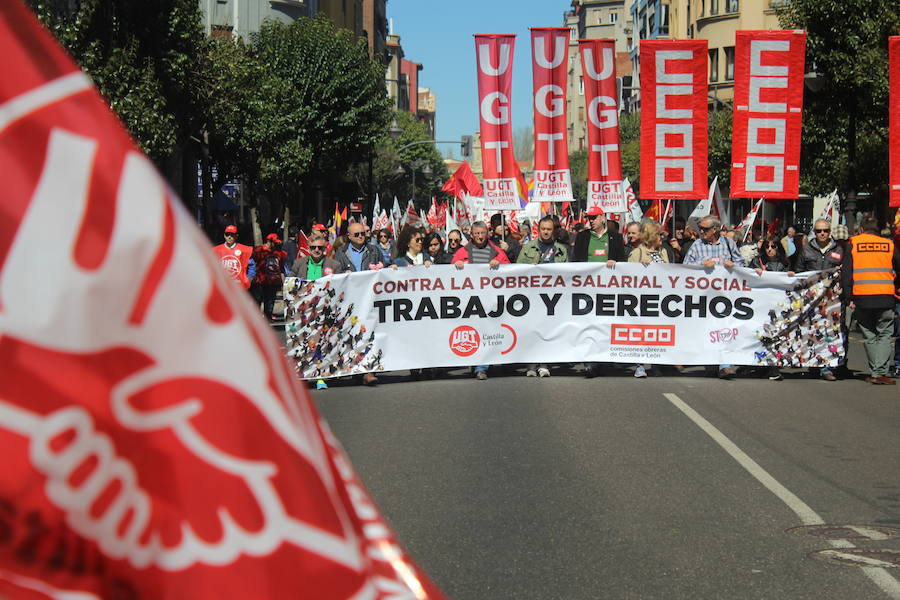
(439, 36)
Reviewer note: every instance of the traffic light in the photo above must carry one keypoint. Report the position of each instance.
(465, 145)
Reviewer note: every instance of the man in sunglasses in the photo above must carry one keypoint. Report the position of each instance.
(711, 249)
(358, 255)
(315, 265)
(820, 254)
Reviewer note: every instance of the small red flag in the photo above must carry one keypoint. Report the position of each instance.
(155, 441)
(463, 181)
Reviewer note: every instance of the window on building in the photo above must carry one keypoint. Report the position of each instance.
(714, 65)
(702, 8)
(664, 19)
(573, 34)
(613, 17)
(581, 114)
(729, 63)
(713, 7)
(651, 24)
(732, 6)
(581, 86)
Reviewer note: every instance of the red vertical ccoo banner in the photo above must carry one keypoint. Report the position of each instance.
(494, 59)
(549, 51)
(768, 104)
(674, 143)
(598, 65)
(894, 111)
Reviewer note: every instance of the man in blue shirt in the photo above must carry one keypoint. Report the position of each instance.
(710, 250)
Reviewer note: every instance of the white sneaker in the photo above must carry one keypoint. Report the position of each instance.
(530, 373)
(639, 371)
(543, 372)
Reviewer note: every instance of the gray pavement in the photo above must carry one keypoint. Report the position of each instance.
(573, 488)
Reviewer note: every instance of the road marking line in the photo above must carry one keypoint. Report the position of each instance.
(879, 577)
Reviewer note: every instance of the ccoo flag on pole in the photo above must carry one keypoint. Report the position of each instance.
(155, 442)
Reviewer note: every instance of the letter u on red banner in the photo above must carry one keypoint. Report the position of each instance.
(549, 51)
(894, 176)
(494, 60)
(155, 443)
(768, 105)
(674, 140)
(598, 66)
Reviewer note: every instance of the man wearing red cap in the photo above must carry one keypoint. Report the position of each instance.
(270, 272)
(237, 259)
(598, 244)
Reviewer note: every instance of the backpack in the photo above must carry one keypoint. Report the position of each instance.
(271, 268)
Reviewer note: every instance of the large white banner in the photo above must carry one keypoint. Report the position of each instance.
(632, 313)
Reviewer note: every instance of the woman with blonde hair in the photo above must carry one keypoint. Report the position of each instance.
(649, 250)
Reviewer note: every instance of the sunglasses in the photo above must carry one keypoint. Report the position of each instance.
(702, 228)
(317, 247)
(773, 246)
(822, 230)
(457, 240)
(418, 239)
(355, 234)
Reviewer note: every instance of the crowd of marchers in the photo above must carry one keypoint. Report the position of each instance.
(869, 261)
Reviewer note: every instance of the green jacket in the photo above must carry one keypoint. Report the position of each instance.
(531, 253)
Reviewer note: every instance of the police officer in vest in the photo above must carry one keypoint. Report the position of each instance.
(868, 281)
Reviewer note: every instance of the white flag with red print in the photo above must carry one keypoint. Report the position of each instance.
(747, 224)
(155, 442)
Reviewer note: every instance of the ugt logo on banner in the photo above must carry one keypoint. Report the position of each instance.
(494, 54)
(768, 103)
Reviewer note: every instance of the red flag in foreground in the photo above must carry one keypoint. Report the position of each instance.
(463, 181)
(155, 442)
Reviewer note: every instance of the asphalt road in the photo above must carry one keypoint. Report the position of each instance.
(572, 488)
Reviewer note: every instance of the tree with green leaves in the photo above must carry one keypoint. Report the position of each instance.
(845, 123)
(143, 57)
(336, 108)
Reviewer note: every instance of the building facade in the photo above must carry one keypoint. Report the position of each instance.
(375, 26)
(240, 18)
(428, 110)
(717, 21)
(650, 20)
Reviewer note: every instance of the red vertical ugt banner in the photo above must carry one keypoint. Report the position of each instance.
(155, 442)
(894, 111)
(494, 56)
(549, 51)
(768, 104)
(674, 140)
(598, 65)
